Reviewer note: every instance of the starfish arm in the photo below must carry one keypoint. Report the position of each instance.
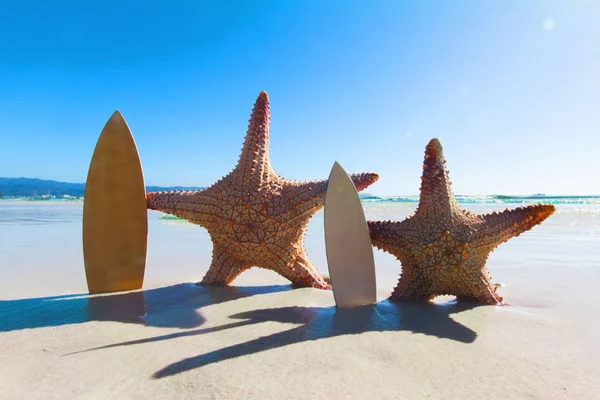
(499, 227)
(412, 286)
(254, 166)
(436, 197)
(198, 207)
(303, 273)
(388, 235)
(364, 180)
(224, 268)
(482, 291)
(311, 195)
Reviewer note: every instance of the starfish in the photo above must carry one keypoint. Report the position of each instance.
(254, 216)
(442, 248)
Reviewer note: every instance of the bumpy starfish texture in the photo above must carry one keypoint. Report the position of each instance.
(442, 248)
(254, 216)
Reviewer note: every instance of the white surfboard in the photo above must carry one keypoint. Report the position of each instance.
(115, 217)
(348, 244)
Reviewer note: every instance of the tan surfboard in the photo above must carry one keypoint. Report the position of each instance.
(348, 244)
(115, 218)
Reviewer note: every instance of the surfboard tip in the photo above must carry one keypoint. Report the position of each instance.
(117, 115)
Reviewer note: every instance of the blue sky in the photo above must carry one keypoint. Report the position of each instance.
(511, 88)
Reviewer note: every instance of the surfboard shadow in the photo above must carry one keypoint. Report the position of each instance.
(171, 306)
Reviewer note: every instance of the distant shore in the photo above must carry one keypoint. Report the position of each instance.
(42, 189)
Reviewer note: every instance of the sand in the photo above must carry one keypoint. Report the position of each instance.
(263, 339)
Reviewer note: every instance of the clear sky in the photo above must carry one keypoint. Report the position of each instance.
(511, 88)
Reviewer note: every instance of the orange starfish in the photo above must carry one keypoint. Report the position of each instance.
(442, 248)
(254, 216)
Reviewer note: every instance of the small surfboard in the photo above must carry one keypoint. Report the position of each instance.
(348, 244)
(115, 218)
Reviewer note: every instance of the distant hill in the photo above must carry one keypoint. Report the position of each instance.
(27, 187)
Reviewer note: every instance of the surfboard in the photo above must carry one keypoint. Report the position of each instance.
(348, 244)
(115, 218)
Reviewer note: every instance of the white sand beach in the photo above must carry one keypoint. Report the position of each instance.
(261, 339)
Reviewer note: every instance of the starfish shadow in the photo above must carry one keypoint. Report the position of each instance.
(315, 323)
(170, 306)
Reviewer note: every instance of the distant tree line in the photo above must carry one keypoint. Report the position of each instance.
(28, 187)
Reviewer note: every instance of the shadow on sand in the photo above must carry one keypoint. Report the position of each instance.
(316, 323)
(172, 306)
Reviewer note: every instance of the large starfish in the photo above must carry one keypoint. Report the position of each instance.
(442, 248)
(254, 216)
